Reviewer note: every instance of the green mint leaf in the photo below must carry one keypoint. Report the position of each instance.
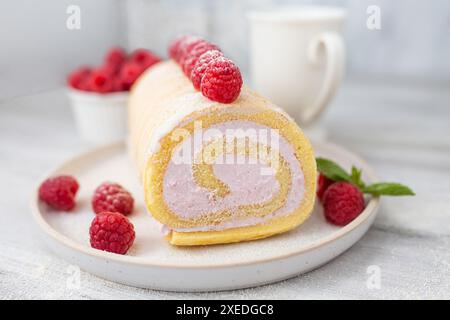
(388, 189)
(356, 177)
(332, 170)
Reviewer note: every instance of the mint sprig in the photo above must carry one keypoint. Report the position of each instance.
(388, 189)
(333, 171)
(356, 178)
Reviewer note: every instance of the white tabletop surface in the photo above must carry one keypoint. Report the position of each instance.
(402, 130)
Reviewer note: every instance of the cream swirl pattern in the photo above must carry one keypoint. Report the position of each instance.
(246, 183)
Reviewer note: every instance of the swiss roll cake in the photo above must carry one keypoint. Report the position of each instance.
(214, 172)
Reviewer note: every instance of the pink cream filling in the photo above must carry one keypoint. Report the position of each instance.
(246, 183)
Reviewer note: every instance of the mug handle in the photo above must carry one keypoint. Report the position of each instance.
(334, 56)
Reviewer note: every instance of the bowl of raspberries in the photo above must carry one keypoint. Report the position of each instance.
(98, 95)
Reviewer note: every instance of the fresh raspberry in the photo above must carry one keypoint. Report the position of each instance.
(102, 80)
(108, 70)
(115, 57)
(150, 61)
(129, 73)
(112, 197)
(186, 46)
(120, 85)
(194, 53)
(112, 232)
(139, 55)
(78, 78)
(200, 66)
(221, 81)
(174, 47)
(342, 203)
(322, 184)
(59, 192)
(144, 58)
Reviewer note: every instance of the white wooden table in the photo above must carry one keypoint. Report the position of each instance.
(403, 130)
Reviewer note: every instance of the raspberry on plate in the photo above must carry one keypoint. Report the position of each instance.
(112, 232)
(194, 53)
(59, 192)
(342, 203)
(78, 78)
(200, 66)
(112, 197)
(222, 81)
(322, 184)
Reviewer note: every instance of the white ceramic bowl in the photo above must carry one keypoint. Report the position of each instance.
(100, 118)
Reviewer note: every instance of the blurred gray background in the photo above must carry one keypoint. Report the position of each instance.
(38, 50)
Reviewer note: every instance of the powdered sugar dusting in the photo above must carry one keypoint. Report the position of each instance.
(186, 105)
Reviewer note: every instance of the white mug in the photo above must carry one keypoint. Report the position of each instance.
(297, 57)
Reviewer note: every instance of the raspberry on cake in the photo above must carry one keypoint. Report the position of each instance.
(112, 232)
(174, 48)
(59, 192)
(197, 58)
(221, 81)
(185, 46)
(112, 197)
(201, 65)
(194, 53)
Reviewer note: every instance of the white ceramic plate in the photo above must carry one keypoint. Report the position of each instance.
(153, 263)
